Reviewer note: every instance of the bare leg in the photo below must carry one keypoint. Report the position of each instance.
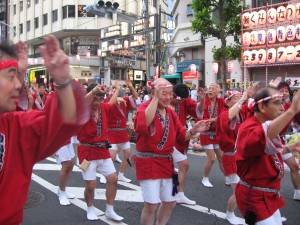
(182, 173)
(231, 206)
(111, 188)
(113, 153)
(209, 161)
(65, 173)
(89, 192)
(164, 212)
(124, 164)
(147, 217)
(219, 155)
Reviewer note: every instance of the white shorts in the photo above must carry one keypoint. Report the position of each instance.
(65, 153)
(121, 146)
(156, 190)
(287, 156)
(103, 166)
(233, 178)
(178, 156)
(211, 146)
(74, 140)
(275, 219)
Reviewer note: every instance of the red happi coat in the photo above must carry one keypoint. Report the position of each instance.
(117, 120)
(259, 169)
(149, 139)
(186, 107)
(208, 113)
(93, 132)
(25, 139)
(226, 132)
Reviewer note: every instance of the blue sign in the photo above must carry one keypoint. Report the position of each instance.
(185, 66)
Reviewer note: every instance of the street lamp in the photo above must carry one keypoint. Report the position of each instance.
(5, 24)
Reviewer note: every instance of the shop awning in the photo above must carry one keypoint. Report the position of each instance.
(173, 75)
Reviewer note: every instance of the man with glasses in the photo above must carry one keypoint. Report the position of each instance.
(289, 158)
(183, 105)
(157, 129)
(259, 157)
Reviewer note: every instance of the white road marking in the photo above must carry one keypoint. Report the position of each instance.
(133, 195)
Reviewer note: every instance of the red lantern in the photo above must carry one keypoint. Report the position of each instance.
(261, 37)
(254, 19)
(298, 11)
(271, 36)
(253, 39)
(88, 55)
(254, 57)
(43, 61)
(156, 71)
(272, 14)
(290, 32)
(171, 69)
(215, 68)
(297, 53)
(261, 56)
(193, 68)
(290, 12)
(78, 58)
(126, 44)
(262, 17)
(298, 30)
(247, 57)
(230, 66)
(99, 52)
(281, 54)
(271, 57)
(36, 61)
(246, 19)
(281, 14)
(281, 33)
(246, 38)
(290, 53)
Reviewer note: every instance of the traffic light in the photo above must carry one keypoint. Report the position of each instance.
(101, 8)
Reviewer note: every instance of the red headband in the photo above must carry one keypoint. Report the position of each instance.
(8, 63)
(284, 87)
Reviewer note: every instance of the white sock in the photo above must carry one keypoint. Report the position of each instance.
(297, 192)
(109, 207)
(121, 174)
(180, 194)
(205, 178)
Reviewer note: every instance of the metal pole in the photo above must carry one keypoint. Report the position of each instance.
(158, 27)
(147, 46)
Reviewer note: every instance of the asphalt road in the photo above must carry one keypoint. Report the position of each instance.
(43, 206)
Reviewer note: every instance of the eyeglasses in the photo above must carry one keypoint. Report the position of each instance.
(277, 103)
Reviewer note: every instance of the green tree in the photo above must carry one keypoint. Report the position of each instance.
(219, 18)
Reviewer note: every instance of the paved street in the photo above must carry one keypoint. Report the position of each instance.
(43, 206)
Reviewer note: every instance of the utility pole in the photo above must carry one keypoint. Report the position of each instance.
(147, 35)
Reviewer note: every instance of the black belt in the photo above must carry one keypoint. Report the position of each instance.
(104, 144)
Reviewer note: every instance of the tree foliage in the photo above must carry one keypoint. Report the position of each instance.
(220, 19)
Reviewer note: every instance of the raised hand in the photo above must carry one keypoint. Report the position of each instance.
(274, 83)
(56, 61)
(201, 126)
(35, 87)
(201, 93)
(296, 102)
(22, 57)
(128, 83)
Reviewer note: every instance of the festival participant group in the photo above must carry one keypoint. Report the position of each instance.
(87, 124)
